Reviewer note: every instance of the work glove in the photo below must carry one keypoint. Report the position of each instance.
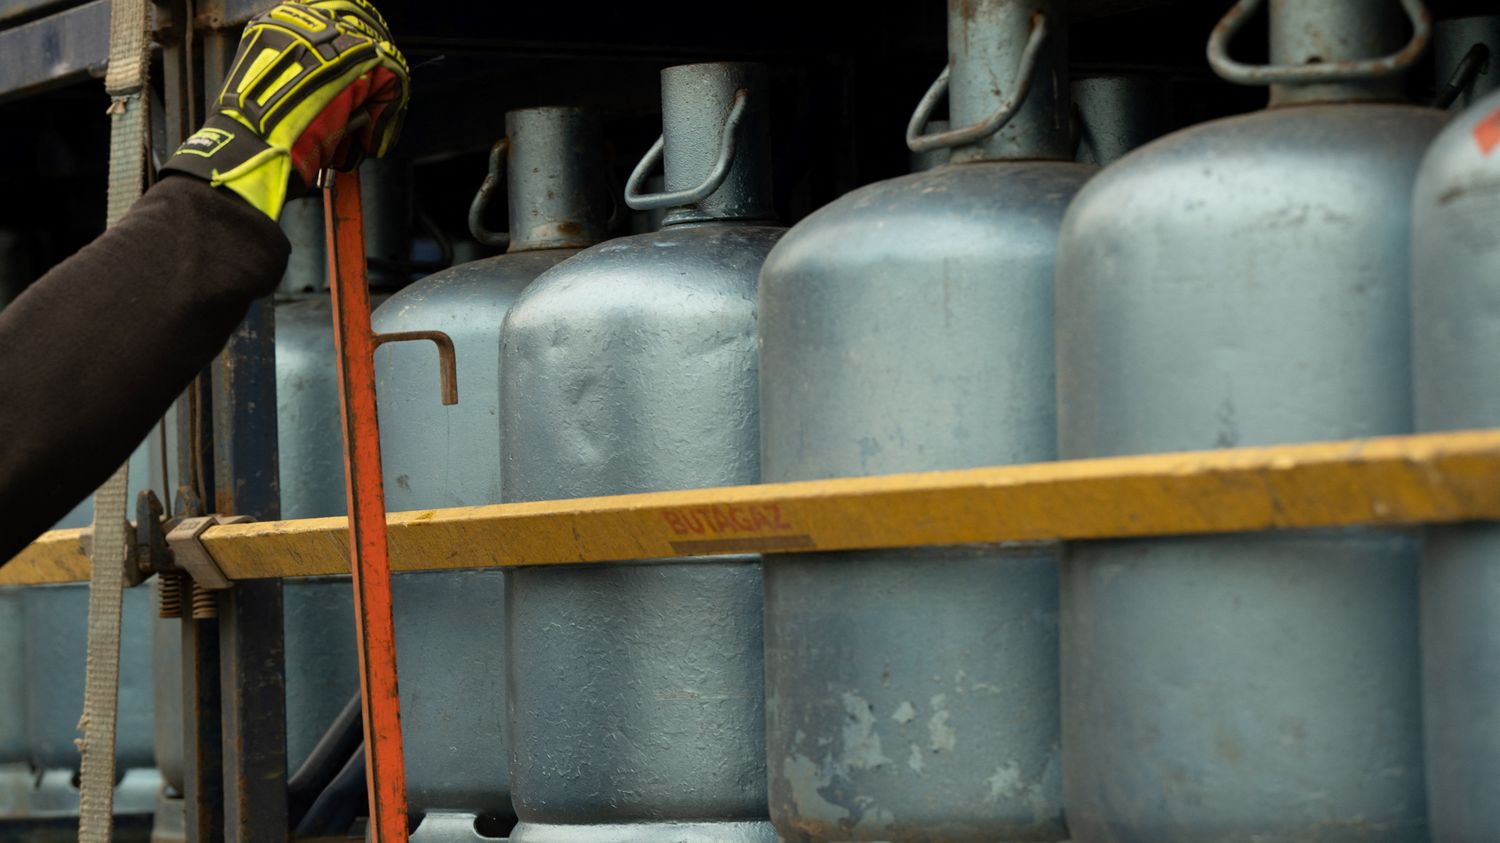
(315, 84)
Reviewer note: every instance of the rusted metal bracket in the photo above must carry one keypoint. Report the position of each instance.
(186, 545)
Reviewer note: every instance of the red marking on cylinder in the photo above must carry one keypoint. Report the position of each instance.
(1487, 132)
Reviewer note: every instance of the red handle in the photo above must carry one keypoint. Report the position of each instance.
(354, 341)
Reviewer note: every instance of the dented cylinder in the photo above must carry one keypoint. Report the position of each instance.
(451, 626)
(636, 689)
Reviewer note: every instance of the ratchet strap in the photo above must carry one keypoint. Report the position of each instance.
(129, 54)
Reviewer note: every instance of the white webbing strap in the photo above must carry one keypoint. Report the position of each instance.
(129, 55)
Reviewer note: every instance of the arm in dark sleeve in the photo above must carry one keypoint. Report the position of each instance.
(95, 351)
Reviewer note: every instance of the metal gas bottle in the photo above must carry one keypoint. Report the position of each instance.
(15, 772)
(451, 627)
(912, 695)
(1456, 328)
(318, 621)
(1245, 282)
(318, 614)
(55, 647)
(636, 693)
(1118, 112)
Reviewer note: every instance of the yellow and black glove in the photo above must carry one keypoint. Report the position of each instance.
(315, 84)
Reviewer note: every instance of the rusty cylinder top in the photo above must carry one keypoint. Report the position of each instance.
(985, 41)
(696, 100)
(1330, 31)
(555, 182)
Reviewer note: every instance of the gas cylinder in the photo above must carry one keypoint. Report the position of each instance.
(55, 648)
(450, 628)
(1245, 282)
(1456, 313)
(912, 695)
(318, 614)
(636, 693)
(1118, 112)
(15, 772)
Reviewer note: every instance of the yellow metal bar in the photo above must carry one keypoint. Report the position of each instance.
(1399, 480)
(56, 557)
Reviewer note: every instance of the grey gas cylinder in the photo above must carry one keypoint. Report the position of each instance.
(15, 772)
(450, 627)
(1456, 328)
(912, 695)
(56, 648)
(54, 642)
(636, 695)
(1245, 282)
(318, 614)
(1117, 113)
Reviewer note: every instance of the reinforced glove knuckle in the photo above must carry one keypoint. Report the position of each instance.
(275, 119)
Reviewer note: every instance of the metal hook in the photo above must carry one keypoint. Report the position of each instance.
(447, 358)
(918, 142)
(648, 201)
(494, 182)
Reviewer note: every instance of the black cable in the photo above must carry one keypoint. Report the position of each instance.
(344, 800)
(1469, 67)
(323, 764)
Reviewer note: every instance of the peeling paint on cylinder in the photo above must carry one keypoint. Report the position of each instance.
(1456, 320)
(912, 695)
(1242, 283)
(636, 690)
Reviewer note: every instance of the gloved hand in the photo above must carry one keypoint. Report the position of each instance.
(315, 84)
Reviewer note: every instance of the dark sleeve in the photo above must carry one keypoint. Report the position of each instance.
(95, 351)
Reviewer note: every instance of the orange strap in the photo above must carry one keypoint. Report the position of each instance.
(354, 342)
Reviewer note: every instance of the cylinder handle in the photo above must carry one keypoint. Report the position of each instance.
(650, 201)
(494, 182)
(918, 142)
(1334, 71)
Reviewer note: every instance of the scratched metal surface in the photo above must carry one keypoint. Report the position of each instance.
(451, 628)
(1242, 282)
(913, 695)
(636, 690)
